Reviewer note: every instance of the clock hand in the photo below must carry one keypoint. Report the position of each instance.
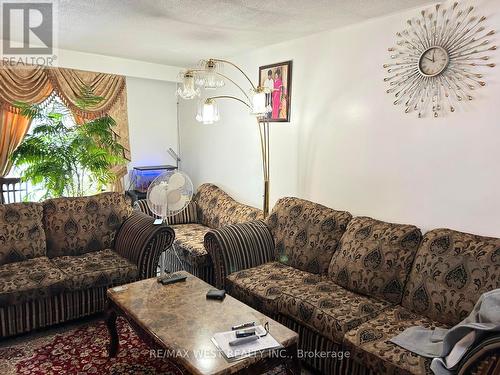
(433, 55)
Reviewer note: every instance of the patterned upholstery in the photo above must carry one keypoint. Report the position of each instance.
(369, 343)
(374, 258)
(36, 293)
(451, 271)
(261, 286)
(311, 342)
(211, 208)
(96, 269)
(21, 232)
(189, 243)
(238, 247)
(75, 226)
(217, 209)
(327, 308)
(29, 280)
(306, 234)
(188, 216)
(378, 256)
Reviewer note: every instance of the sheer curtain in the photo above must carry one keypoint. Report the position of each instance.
(13, 128)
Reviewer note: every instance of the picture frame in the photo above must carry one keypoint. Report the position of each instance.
(276, 79)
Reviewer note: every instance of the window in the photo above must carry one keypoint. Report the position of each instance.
(53, 104)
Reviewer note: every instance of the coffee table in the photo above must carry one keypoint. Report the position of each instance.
(178, 322)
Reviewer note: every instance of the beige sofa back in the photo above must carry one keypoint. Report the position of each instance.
(217, 209)
(451, 271)
(21, 232)
(306, 234)
(75, 226)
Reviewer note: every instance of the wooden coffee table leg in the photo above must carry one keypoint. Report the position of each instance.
(114, 342)
(295, 367)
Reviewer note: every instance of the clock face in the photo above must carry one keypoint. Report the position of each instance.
(433, 61)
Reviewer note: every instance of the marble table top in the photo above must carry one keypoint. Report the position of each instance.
(183, 321)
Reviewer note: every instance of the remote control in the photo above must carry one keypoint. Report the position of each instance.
(245, 333)
(172, 279)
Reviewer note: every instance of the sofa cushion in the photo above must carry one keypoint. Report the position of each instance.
(306, 234)
(96, 269)
(21, 232)
(369, 343)
(374, 258)
(261, 286)
(30, 280)
(451, 271)
(217, 209)
(327, 308)
(189, 243)
(75, 226)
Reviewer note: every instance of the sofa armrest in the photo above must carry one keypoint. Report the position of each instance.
(142, 242)
(483, 359)
(237, 247)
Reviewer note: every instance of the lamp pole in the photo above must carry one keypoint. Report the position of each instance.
(210, 65)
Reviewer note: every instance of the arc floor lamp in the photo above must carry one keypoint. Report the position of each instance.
(209, 76)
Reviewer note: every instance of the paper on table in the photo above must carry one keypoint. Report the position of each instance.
(222, 339)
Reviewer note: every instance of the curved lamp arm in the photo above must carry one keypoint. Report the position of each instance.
(225, 77)
(239, 69)
(230, 97)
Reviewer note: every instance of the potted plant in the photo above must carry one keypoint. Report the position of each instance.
(68, 160)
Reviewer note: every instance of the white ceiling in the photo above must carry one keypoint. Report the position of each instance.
(180, 32)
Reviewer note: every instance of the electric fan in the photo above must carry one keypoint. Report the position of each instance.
(169, 194)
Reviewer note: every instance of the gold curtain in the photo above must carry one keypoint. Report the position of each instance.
(33, 84)
(13, 128)
(25, 84)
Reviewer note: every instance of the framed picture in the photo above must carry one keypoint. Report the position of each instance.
(277, 82)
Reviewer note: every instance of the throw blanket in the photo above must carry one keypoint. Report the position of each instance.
(448, 347)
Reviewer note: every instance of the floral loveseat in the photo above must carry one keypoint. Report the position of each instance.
(58, 258)
(211, 208)
(350, 284)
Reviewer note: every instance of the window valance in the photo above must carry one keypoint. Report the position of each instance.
(34, 84)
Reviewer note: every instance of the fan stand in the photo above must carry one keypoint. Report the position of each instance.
(169, 191)
(163, 255)
(163, 261)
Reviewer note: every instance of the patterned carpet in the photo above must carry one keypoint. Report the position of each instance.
(81, 349)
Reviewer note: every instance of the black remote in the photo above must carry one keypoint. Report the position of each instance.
(172, 279)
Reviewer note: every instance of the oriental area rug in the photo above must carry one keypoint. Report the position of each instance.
(81, 349)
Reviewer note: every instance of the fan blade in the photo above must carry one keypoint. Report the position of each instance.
(176, 181)
(173, 196)
(158, 195)
(177, 206)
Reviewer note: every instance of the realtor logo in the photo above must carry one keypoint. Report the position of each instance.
(27, 28)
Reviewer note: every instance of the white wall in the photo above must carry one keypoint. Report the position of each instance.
(116, 65)
(152, 114)
(348, 147)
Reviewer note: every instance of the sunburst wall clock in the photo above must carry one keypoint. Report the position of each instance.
(438, 60)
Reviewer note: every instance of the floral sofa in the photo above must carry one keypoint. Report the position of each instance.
(350, 284)
(211, 208)
(57, 258)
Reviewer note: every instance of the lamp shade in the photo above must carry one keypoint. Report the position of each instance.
(188, 89)
(208, 112)
(259, 103)
(210, 78)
